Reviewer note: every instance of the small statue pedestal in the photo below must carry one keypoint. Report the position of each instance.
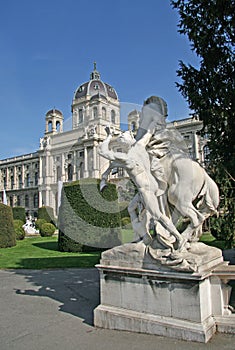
(158, 301)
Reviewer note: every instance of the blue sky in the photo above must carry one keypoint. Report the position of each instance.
(48, 48)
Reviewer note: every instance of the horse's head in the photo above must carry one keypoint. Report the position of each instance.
(124, 141)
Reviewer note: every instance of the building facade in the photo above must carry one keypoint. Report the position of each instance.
(32, 180)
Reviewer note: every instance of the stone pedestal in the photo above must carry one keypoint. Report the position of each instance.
(168, 303)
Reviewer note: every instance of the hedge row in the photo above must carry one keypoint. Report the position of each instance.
(88, 219)
(19, 214)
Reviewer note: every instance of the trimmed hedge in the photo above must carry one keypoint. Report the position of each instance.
(47, 229)
(7, 232)
(19, 214)
(20, 232)
(46, 213)
(88, 219)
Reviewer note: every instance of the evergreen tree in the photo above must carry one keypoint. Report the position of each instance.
(210, 91)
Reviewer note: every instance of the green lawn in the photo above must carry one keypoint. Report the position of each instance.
(42, 253)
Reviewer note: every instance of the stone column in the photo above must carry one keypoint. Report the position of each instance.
(40, 180)
(85, 162)
(195, 143)
(94, 157)
(95, 162)
(23, 176)
(62, 167)
(47, 196)
(74, 164)
(39, 199)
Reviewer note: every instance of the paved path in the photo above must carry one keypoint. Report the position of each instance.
(53, 310)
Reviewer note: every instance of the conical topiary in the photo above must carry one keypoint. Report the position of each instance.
(7, 231)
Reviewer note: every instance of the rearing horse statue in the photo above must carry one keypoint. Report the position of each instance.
(189, 189)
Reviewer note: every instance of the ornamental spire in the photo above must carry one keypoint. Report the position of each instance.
(95, 75)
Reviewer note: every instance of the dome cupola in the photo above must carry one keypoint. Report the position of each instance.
(95, 87)
(95, 101)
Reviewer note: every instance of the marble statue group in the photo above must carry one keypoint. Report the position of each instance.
(171, 187)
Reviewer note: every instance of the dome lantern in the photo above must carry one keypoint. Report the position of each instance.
(95, 75)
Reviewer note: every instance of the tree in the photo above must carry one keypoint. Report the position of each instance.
(210, 90)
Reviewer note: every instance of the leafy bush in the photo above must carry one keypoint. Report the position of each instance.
(18, 226)
(88, 219)
(39, 223)
(46, 213)
(7, 232)
(47, 229)
(19, 213)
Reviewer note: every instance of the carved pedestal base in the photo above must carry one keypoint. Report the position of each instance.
(169, 303)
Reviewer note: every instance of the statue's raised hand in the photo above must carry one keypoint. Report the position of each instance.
(109, 130)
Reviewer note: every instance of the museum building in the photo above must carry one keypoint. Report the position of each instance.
(31, 180)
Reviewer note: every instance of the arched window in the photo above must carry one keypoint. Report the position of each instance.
(18, 201)
(49, 126)
(36, 179)
(80, 116)
(12, 182)
(35, 200)
(27, 180)
(120, 172)
(70, 172)
(58, 126)
(81, 170)
(26, 200)
(103, 112)
(20, 181)
(95, 112)
(11, 201)
(113, 117)
(58, 173)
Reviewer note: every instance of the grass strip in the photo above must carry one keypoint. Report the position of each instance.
(42, 253)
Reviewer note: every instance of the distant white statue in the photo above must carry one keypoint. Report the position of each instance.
(29, 227)
(170, 184)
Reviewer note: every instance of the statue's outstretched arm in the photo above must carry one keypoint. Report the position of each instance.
(105, 152)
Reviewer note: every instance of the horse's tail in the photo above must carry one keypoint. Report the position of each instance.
(211, 195)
